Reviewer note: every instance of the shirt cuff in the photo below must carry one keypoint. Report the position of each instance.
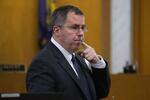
(100, 64)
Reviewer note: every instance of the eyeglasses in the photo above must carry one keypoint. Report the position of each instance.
(76, 28)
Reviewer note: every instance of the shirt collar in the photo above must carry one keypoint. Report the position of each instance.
(67, 55)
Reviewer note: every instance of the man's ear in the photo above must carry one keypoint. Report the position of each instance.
(56, 30)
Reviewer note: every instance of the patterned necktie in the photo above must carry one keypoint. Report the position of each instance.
(75, 65)
(82, 79)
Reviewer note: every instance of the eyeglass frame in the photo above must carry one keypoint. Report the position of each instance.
(75, 27)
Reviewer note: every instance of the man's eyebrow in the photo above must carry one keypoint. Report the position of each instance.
(79, 25)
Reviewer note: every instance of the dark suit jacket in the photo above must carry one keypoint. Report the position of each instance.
(50, 72)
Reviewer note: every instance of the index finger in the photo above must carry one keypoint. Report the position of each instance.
(85, 45)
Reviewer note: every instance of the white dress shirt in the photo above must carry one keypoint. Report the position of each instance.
(101, 63)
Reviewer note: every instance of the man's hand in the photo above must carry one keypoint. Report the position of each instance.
(89, 53)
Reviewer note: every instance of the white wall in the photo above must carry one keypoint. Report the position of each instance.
(120, 34)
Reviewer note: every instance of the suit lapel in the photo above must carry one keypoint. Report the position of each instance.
(65, 65)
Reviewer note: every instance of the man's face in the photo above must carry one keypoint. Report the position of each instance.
(72, 32)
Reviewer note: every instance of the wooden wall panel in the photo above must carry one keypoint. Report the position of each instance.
(129, 87)
(141, 35)
(12, 82)
(18, 31)
(145, 36)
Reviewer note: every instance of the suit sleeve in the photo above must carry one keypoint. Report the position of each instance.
(101, 78)
(38, 78)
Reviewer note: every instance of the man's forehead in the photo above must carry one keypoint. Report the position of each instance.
(73, 17)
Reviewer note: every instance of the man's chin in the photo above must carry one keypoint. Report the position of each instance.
(75, 49)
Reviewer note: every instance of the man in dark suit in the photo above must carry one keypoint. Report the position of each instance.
(59, 69)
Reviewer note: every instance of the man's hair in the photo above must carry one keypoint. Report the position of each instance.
(59, 16)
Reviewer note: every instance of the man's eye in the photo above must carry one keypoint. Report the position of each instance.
(83, 27)
(74, 27)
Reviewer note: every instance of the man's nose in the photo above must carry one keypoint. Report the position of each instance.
(80, 32)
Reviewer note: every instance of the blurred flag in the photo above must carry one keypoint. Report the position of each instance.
(46, 7)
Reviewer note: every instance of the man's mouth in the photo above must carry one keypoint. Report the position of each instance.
(79, 40)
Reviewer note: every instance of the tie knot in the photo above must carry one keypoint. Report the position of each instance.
(73, 58)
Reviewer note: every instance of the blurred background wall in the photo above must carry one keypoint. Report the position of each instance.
(19, 30)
